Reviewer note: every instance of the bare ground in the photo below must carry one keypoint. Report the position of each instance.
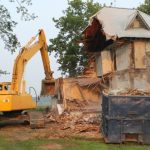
(51, 131)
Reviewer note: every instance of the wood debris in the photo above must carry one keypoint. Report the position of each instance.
(77, 121)
(73, 104)
(130, 92)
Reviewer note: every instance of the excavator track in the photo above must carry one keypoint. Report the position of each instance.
(36, 120)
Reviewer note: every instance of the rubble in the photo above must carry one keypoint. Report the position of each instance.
(129, 92)
(77, 121)
(77, 91)
(135, 92)
(73, 104)
(78, 105)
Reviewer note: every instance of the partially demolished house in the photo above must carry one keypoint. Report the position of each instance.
(119, 39)
(78, 93)
(75, 93)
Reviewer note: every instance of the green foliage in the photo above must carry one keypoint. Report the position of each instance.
(7, 24)
(75, 19)
(145, 7)
(21, 8)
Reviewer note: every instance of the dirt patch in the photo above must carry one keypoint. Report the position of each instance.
(85, 123)
(52, 146)
(54, 130)
(19, 133)
(80, 123)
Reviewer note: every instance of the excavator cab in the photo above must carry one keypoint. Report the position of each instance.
(5, 86)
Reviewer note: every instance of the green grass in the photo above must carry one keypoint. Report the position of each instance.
(9, 144)
(66, 144)
(97, 145)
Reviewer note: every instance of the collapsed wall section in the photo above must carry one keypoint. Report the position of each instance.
(128, 63)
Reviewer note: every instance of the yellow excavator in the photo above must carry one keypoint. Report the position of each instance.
(13, 97)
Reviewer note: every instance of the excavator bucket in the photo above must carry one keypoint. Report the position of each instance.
(48, 87)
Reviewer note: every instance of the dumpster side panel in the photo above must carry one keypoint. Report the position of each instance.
(126, 118)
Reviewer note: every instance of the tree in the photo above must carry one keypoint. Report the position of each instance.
(7, 24)
(75, 19)
(145, 7)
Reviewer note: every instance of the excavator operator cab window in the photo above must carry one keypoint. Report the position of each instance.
(1, 87)
(7, 87)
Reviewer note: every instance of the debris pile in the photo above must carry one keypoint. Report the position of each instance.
(129, 92)
(73, 104)
(95, 84)
(81, 122)
(135, 92)
(76, 114)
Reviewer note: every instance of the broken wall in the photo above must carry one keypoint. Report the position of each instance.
(129, 65)
(72, 90)
(135, 79)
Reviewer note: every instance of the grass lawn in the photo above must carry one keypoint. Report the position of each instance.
(64, 144)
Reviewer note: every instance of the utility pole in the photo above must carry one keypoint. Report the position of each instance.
(3, 72)
(114, 3)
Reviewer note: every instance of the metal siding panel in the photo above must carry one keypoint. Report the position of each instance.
(125, 106)
(114, 131)
(146, 129)
(132, 126)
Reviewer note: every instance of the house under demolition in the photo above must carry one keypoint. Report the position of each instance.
(119, 40)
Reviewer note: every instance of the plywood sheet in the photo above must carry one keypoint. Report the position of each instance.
(106, 62)
(139, 54)
(140, 82)
(123, 57)
(147, 44)
(120, 81)
(98, 65)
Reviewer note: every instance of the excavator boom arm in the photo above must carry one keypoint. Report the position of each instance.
(25, 55)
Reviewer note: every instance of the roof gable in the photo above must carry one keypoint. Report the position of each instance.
(123, 22)
(137, 21)
(110, 24)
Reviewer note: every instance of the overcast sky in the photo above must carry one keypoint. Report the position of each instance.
(45, 10)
